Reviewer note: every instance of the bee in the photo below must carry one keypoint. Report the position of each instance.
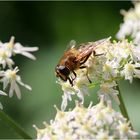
(74, 58)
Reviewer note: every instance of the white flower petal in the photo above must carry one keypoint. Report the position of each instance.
(19, 49)
(17, 90)
(9, 62)
(5, 82)
(29, 55)
(64, 102)
(25, 85)
(11, 90)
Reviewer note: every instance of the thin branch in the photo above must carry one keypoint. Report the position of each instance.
(122, 106)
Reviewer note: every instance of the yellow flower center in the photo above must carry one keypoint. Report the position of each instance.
(11, 74)
(3, 54)
(130, 67)
(107, 68)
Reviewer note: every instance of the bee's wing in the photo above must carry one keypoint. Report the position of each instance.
(72, 44)
(88, 48)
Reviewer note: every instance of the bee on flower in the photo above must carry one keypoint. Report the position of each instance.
(116, 61)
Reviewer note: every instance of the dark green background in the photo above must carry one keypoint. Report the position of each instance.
(50, 26)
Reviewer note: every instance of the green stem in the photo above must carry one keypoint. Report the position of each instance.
(122, 106)
(9, 121)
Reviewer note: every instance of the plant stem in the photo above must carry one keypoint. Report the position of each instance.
(9, 121)
(122, 106)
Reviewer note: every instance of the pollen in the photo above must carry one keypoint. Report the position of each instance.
(11, 74)
(130, 67)
(107, 68)
(3, 54)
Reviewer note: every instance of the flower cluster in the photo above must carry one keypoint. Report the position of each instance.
(112, 61)
(8, 71)
(95, 122)
(118, 60)
(131, 25)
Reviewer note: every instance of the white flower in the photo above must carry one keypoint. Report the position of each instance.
(68, 92)
(8, 49)
(10, 77)
(95, 122)
(108, 90)
(124, 128)
(131, 71)
(125, 29)
(16, 48)
(80, 88)
(8, 46)
(109, 71)
(136, 53)
(131, 25)
(5, 58)
(19, 49)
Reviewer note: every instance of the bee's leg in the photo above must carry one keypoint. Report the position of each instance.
(94, 54)
(71, 81)
(74, 74)
(84, 59)
(82, 67)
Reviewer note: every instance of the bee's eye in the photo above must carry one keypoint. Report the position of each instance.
(63, 70)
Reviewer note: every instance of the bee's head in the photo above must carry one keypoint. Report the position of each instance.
(62, 72)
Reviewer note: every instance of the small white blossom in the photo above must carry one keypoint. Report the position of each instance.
(131, 71)
(10, 48)
(10, 77)
(109, 71)
(80, 88)
(136, 53)
(131, 25)
(5, 58)
(19, 49)
(95, 122)
(108, 90)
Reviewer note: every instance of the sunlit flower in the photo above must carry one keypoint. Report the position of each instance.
(10, 77)
(95, 122)
(131, 25)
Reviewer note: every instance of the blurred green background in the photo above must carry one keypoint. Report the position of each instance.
(50, 26)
